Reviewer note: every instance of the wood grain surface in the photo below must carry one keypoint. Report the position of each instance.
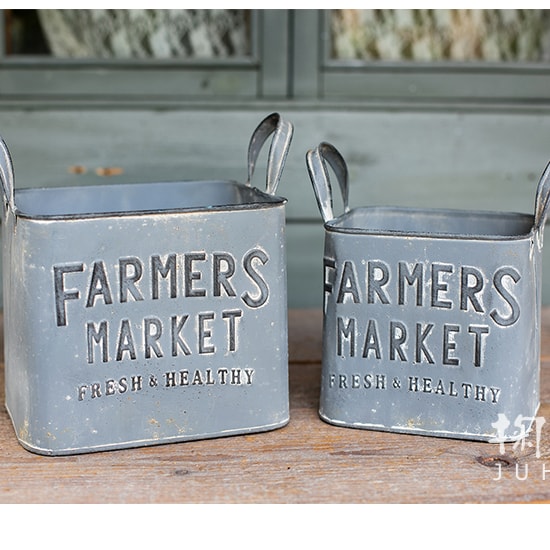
(308, 461)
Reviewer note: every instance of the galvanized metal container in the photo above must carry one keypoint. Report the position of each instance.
(431, 317)
(141, 314)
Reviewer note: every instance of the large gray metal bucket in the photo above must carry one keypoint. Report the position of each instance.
(431, 317)
(141, 314)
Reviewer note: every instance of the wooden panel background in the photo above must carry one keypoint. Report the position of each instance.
(428, 157)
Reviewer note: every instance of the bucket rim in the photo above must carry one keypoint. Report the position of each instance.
(334, 225)
(262, 200)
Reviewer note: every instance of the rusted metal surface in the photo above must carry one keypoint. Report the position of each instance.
(431, 317)
(139, 314)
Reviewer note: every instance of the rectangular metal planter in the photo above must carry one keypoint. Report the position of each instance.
(141, 314)
(431, 317)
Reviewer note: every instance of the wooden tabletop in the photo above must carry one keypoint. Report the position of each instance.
(307, 461)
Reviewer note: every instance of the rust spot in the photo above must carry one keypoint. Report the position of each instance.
(109, 171)
(495, 461)
(77, 169)
(24, 430)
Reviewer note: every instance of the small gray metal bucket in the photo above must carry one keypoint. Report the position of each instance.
(140, 314)
(431, 317)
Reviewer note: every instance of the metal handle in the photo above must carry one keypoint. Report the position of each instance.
(7, 177)
(316, 160)
(282, 131)
(542, 200)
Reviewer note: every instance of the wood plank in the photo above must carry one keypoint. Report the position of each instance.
(308, 461)
(434, 82)
(129, 82)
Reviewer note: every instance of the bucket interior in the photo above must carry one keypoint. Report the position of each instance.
(434, 222)
(143, 197)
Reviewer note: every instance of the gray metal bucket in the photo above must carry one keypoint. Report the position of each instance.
(141, 314)
(431, 317)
